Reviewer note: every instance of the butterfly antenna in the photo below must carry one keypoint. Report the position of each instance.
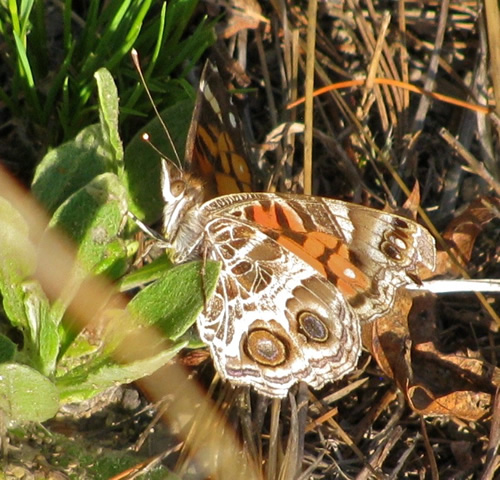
(145, 138)
(135, 59)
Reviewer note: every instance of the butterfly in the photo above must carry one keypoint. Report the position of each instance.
(299, 274)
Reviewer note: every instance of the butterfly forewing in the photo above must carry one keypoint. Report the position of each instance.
(215, 148)
(366, 253)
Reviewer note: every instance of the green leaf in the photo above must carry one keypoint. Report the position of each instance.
(70, 167)
(96, 376)
(93, 217)
(17, 262)
(26, 395)
(41, 339)
(96, 149)
(174, 302)
(147, 274)
(108, 114)
(142, 163)
(24, 301)
(7, 349)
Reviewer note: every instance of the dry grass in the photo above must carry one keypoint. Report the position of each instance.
(370, 144)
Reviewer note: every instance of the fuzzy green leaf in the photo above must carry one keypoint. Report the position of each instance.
(174, 301)
(27, 396)
(93, 217)
(108, 114)
(24, 301)
(70, 167)
(90, 379)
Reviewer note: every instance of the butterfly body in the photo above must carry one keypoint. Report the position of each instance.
(299, 274)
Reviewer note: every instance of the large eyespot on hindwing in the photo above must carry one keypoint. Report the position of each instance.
(265, 347)
(312, 327)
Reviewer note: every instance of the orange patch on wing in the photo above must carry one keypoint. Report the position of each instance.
(201, 163)
(225, 142)
(314, 247)
(351, 279)
(317, 242)
(207, 140)
(240, 168)
(327, 239)
(233, 163)
(345, 288)
(298, 250)
(225, 162)
(226, 184)
(225, 146)
(266, 218)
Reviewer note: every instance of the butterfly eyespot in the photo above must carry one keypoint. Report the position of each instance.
(312, 327)
(177, 187)
(265, 348)
(394, 245)
(391, 251)
(399, 222)
(395, 239)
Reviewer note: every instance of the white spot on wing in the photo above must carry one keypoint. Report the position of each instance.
(209, 96)
(400, 244)
(232, 120)
(349, 273)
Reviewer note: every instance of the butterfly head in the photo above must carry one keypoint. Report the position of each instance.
(182, 194)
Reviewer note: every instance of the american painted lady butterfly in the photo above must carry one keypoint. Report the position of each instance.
(299, 275)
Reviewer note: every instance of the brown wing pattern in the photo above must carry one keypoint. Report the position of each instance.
(215, 149)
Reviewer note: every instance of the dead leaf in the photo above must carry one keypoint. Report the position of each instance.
(412, 202)
(462, 232)
(410, 207)
(467, 404)
(193, 358)
(388, 338)
(241, 15)
(434, 383)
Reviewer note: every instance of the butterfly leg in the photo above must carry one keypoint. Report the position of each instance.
(204, 255)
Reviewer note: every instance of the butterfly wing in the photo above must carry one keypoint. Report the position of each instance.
(273, 319)
(215, 149)
(299, 275)
(368, 254)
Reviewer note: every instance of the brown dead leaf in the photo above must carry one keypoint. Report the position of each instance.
(413, 202)
(241, 15)
(434, 383)
(193, 358)
(410, 207)
(462, 233)
(467, 404)
(387, 340)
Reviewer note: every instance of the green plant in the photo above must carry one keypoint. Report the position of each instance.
(84, 184)
(52, 51)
